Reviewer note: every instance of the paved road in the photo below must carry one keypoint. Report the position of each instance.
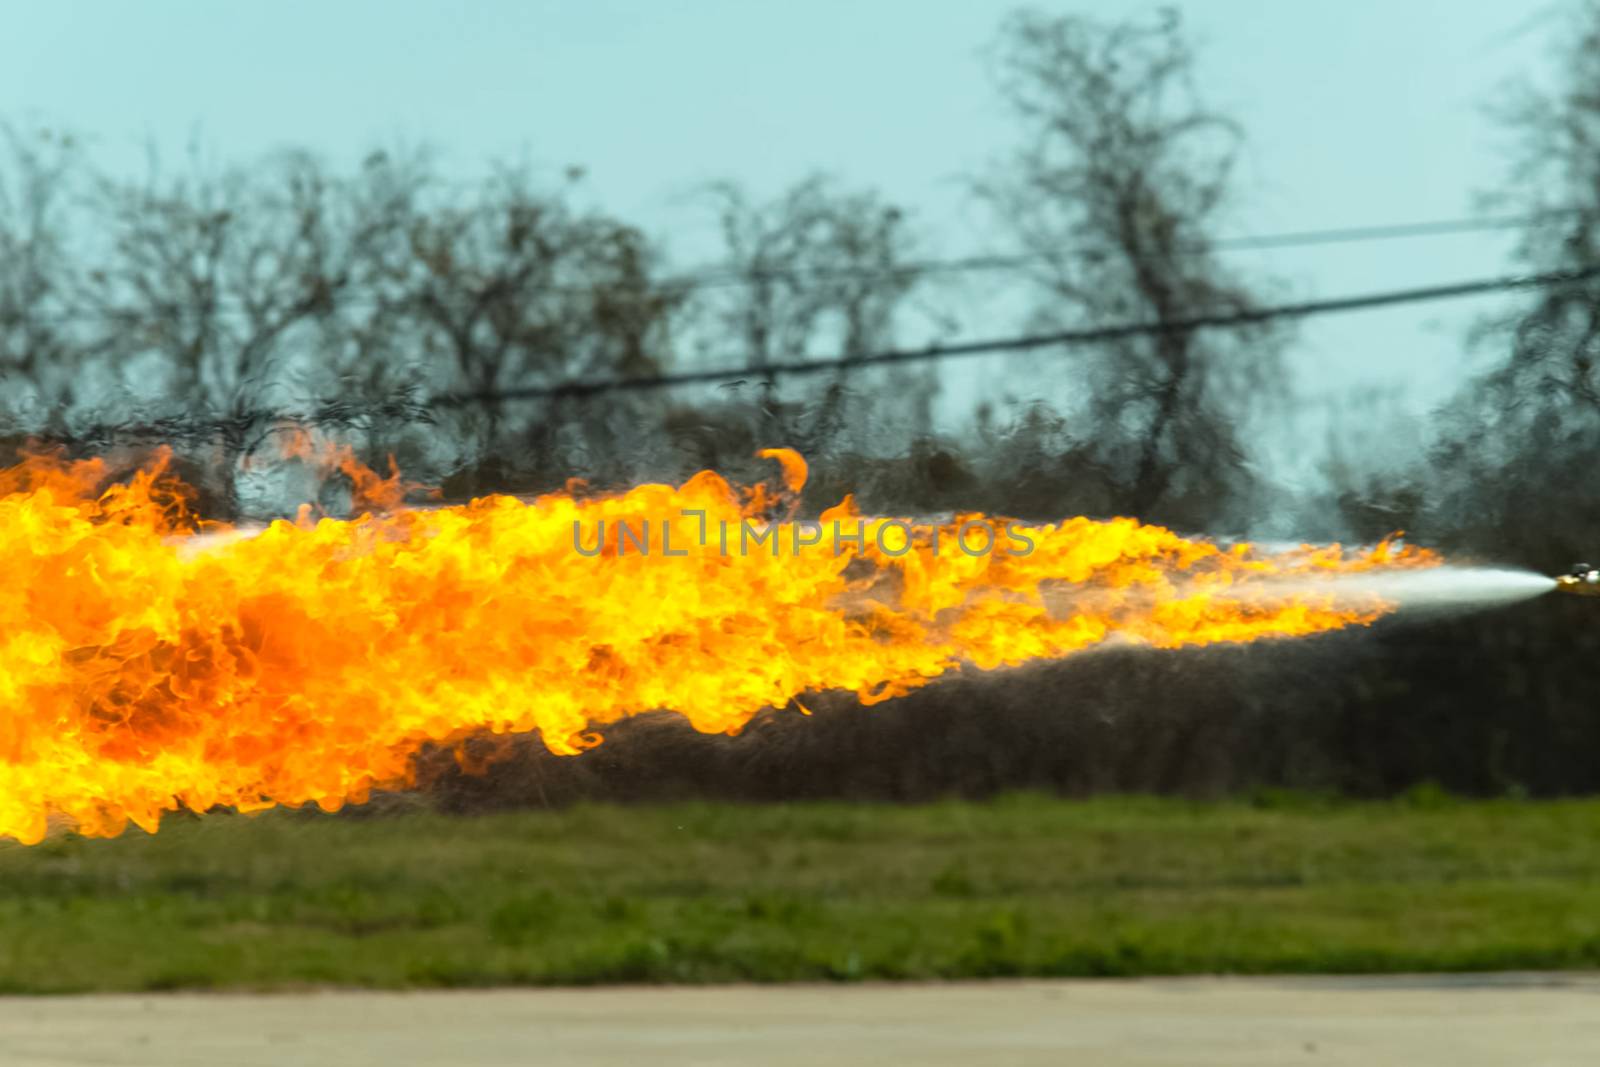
(1527, 1021)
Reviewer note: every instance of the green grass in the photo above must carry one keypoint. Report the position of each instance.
(696, 893)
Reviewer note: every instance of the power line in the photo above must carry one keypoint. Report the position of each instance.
(722, 276)
(1087, 335)
(246, 423)
(1393, 231)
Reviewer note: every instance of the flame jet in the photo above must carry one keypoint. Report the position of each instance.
(150, 661)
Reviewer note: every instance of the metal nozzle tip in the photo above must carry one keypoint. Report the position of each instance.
(1582, 580)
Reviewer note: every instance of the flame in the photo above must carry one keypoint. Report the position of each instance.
(151, 661)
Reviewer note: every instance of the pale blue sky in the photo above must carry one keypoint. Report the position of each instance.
(1358, 112)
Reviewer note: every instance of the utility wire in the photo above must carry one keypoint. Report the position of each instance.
(725, 276)
(246, 423)
(1087, 335)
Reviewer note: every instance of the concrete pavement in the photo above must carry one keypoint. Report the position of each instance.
(1470, 1021)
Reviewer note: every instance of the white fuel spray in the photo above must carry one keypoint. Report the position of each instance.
(1448, 588)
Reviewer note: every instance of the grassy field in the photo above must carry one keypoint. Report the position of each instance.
(695, 893)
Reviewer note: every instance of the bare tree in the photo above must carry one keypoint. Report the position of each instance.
(40, 345)
(1515, 462)
(215, 272)
(819, 270)
(1117, 190)
(817, 266)
(506, 286)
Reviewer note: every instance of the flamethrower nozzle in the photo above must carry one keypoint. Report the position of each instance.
(1582, 580)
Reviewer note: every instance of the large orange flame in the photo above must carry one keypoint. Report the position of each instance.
(147, 662)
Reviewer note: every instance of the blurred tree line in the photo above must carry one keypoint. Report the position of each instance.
(209, 309)
(207, 306)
